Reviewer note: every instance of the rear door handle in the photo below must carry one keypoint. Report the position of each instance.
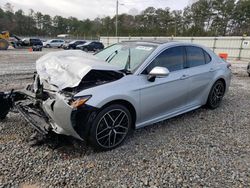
(184, 76)
(212, 69)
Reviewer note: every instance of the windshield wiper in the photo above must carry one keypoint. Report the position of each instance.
(126, 71)
(113, 54)
(127, 66)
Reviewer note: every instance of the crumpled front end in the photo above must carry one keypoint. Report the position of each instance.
(50, 112)
(61, 115)
(49, 103)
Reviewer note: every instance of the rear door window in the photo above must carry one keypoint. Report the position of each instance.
(195, 56)
(207, 57)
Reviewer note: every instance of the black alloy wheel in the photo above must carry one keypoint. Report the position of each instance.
(110, 127)
(216, 94)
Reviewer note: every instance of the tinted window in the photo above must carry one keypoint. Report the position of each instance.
(80, 42)
(207, 57)
(172, 58)
(99, 45)
(195, 56)
(35, 40)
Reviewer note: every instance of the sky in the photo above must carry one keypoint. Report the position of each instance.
(83, 9)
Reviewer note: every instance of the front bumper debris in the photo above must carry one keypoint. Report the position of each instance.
(45, 115)
(35, 117)
(27, 106)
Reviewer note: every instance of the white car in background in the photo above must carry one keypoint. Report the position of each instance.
(54, 43)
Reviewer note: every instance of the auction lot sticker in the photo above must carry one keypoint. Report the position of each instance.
(144, 48)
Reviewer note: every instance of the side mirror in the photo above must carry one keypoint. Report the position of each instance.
(157, 72)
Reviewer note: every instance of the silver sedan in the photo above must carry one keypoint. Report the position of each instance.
(102, 97)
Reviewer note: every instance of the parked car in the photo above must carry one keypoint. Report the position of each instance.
(248, 69)
(35, 43)
(90, 46)
(54, 43)
(73, 44)
(100, 98)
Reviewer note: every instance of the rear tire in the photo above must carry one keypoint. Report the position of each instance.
(110, 127)
(216, 95)
(4, 108)
(3, 115)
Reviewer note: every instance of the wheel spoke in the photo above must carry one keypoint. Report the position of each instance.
(114, 138)
(103, 131)
(120, 126)
(122, 119)
(104, 136)
(105, 121)
(120, 132)
(111, 117)
(118, 116)
(109, 138)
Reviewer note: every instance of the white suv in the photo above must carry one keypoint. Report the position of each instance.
(54, 43)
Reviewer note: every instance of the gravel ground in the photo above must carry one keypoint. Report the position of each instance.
(203, 148)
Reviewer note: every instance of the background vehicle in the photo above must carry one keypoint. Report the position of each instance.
(248, 69)
(31, 42)
(5, 40)
(73, 44)
(35, 43)
(91, 46)
(126, 86)
(54, 43)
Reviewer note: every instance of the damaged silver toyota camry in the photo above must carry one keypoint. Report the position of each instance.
(100, 98)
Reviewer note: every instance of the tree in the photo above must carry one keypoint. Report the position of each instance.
(222, 18)
(241, 18)
(200, 18)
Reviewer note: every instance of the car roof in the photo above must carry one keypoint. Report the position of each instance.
(157, 42)
(162, 43)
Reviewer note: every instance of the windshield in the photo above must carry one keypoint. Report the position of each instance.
(87, 43)
(72, 42)
(126, 55)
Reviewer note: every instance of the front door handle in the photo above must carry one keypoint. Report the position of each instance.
(184, 76)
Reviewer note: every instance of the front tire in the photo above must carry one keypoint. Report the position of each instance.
(216, 94)
(110, 127)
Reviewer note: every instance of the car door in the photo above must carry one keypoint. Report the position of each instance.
(165, 96)
(200, 73)
(92, 46)
(53, 43)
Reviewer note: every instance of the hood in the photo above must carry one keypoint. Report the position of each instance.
(67, 68)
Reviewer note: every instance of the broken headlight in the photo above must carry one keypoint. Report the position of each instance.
(79, 101)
